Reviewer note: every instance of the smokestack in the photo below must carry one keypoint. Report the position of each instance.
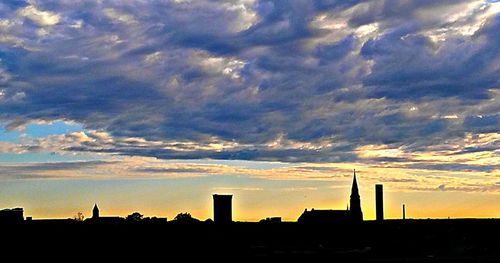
(379, 201)
(404, 212)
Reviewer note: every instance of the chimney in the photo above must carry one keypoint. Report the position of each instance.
(404, 212)
(379, 202)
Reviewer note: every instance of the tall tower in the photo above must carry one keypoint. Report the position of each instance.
(95, 212)
(379, 201)
(355, 201)
(404, 212)
(222, 209)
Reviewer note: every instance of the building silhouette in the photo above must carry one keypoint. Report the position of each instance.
(12, 215)
(379, 202)
(355, 201)
(354, 214)
(404, 212)
(96, 217)
(95, 212)
(223, 208)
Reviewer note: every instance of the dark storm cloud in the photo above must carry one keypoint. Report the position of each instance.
(251, 72)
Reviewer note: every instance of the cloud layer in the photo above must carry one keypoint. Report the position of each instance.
(416, 179)
(296, 81)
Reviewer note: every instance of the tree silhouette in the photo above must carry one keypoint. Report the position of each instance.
(79, 217)
(185, 218)
(135, 217)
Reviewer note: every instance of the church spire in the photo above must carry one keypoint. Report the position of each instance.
(355, 201)
(95, 211)
(354, 189)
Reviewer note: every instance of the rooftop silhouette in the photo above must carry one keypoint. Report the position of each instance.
(354, 214)
(334, 234)
(11, 215)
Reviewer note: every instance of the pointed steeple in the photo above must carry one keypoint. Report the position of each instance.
(95, 211)
(354, 189)
(355, 201)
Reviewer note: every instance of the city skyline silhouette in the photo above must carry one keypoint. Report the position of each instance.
(235, 126)
(155, 105)
(317, 234)
(222, 211)
(369, 203)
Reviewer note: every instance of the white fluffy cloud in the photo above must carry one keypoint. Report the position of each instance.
(39, 17)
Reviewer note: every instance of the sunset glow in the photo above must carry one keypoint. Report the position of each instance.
(153, 106)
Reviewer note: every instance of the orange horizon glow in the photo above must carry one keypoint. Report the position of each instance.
(437, 205)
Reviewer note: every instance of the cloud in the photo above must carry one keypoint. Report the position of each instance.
(300, 81)
(52, 170)
(466, 188)
(170, 170)
(339, 175)
(427, 72)
(119, 17)
(455, 167)
(39, 17)
(403, 180)
(6, 147)
(236, 189)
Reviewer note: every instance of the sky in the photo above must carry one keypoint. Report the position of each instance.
(153, 106)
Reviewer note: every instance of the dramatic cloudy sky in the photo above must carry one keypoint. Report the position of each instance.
(155, 105)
